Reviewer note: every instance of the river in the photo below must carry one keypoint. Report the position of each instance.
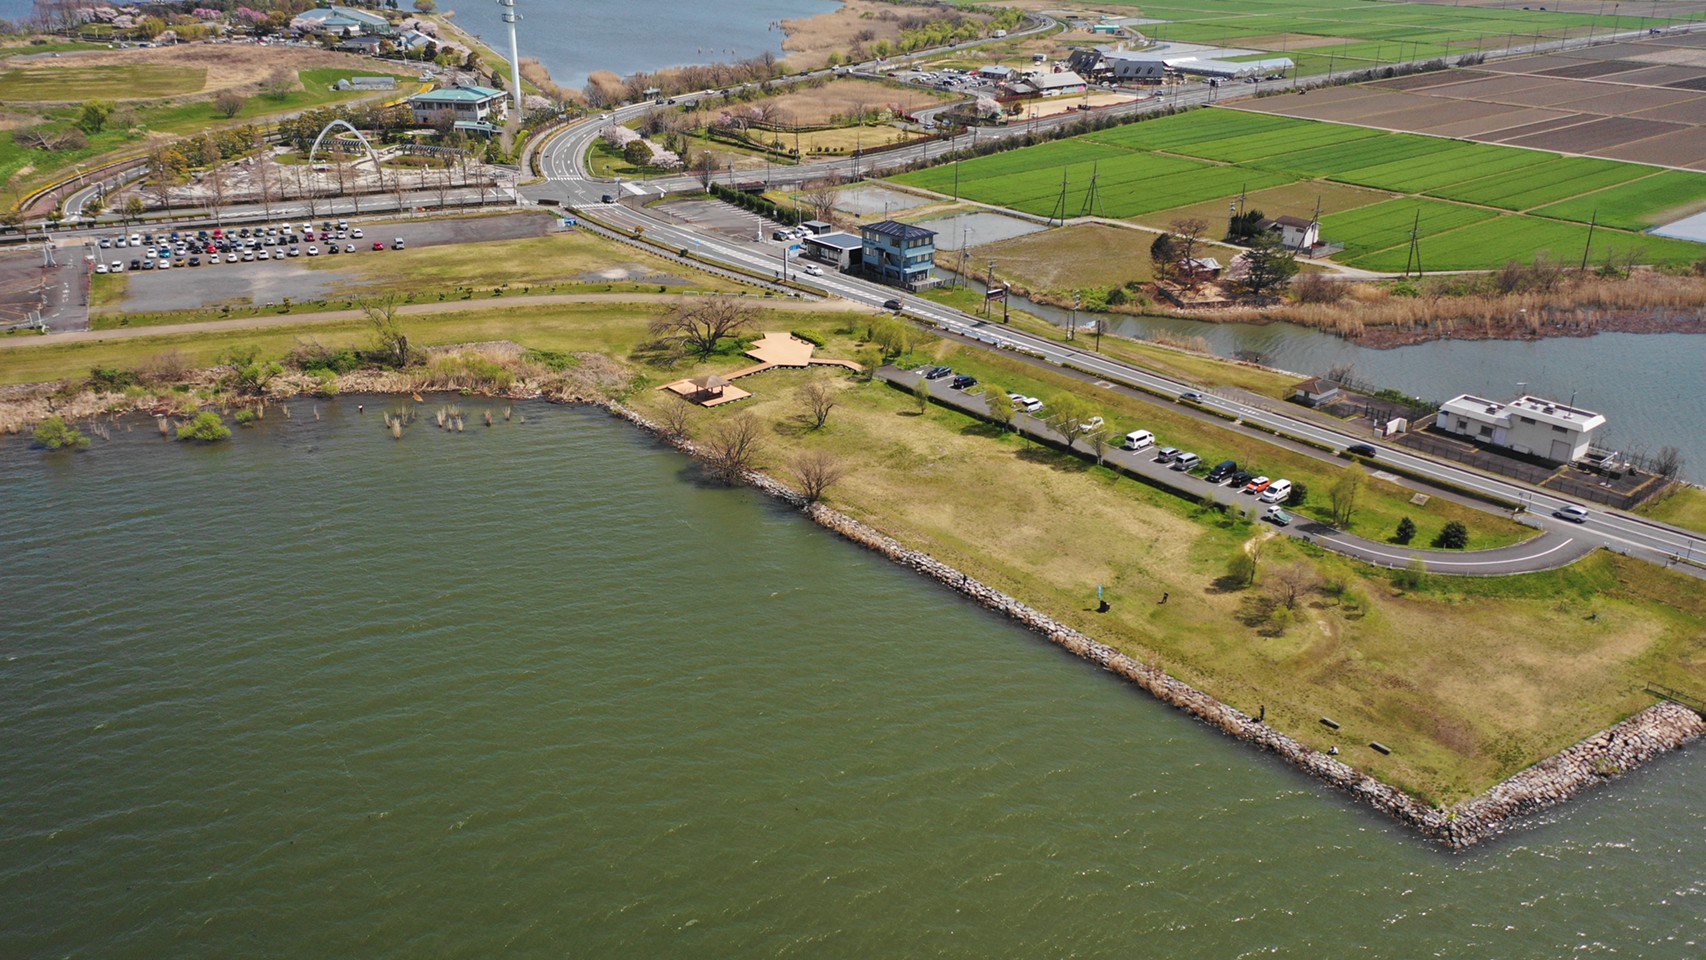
(573, 39)
(535, 690)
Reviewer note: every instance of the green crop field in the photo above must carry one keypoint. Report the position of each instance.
(1647, 202)
(1201, 160)
(1372, 33)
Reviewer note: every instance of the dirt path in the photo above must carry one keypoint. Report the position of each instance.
(415, 309)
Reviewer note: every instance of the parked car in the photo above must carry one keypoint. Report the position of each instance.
(1222, 470)
(100, 268)
(1166, 454)
(1027, 404)
(1186, 461)
(355, 234)
(937, 373)
(195, 261)
(1257, 484)
(136, 264)
(962, 382)
(1277, 491)
(1361, 449)
(1572, 513)
(378, 245)
(313, 251)
(1091, 425)
(397, 244)
(117, 266)
(1277, 516)
(1138, 439)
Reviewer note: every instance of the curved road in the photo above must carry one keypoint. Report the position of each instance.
(568, 185)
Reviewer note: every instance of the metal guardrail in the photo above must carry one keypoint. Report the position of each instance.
(1677, 696)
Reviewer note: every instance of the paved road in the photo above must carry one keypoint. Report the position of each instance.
(1551, 549)
(560, 158)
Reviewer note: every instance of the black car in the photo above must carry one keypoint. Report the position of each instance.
(1222, 470)
(1361, 450)
(891, 304)
(962, 382)
(136, 264)
(1239, 478)
(937, 373)
(195, 261)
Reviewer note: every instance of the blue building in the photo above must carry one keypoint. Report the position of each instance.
(899, 254)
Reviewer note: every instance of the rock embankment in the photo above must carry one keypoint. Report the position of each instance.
(1666, 726)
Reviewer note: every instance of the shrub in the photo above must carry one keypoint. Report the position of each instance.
(1414, 574)
(1117, 297)
(245, 417)
(1298, 496)
(113, 379)
(1455, 536)
(1406, 531)
(808, 336)
(55, 434)
(207, 427)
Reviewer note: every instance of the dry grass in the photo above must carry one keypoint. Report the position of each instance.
(812, 39)
(1525, 671)
(818, 106)
(1078, 257)
(227, 67)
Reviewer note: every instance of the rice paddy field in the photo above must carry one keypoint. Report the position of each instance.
(1355, 34)
(1471, 205)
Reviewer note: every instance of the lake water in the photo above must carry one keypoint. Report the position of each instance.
(536, 691)
(572, 39)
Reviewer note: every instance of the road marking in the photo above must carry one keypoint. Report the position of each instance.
(1463, 563)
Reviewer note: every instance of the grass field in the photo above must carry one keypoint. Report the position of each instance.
(1198, 162)
(1684, 508)
(72, 84)
(1527, 670)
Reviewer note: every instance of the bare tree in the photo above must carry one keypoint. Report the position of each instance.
(264, 185)
(816, 471)
(229, 104)
(1290, 583)
(705, 165)
(698, 325)
(1187, 233)
(1668, 463)
(820, 196)
(674, 417)
(214, 178)
(381, 315)
(818, 399)
(732, 447)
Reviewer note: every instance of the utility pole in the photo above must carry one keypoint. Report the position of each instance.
(1589, 245)
(989, 288)
(1077, 301)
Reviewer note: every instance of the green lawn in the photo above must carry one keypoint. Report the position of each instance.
(1685, 508)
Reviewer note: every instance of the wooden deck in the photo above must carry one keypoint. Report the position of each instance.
(772, 351)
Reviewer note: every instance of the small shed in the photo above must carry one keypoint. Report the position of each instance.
(819, 227)
(1315, 391)
(1296, 232)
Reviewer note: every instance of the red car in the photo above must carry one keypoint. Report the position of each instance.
(378, 245)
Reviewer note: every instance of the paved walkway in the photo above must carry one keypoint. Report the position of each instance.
(409, 310)
(1545, 552)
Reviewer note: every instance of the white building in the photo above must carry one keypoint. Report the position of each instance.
(1529, 425)
(1296, 232)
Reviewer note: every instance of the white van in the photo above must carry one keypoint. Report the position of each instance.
(1277, 491)
(1138, 439)
(1186, 462)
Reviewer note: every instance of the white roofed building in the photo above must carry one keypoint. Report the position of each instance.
(1529, 425)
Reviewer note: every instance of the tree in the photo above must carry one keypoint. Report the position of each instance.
(425, 6)
(674, 417)
(93, 116)
(1164, 256)
(1298, 496)
(1069, 415)
(1271, 263)
(819, 398)
(1188, 233)
(133, 208)
(1406, 531)
(381, 315)
(1000, 407)
(638, 153)
(229, 104)
(1343, 495)
(207, 427)
(1454, 536)
(1668, 463)
(1241, 566)
(55, 434)
(921, 393)
(1290, 583)
(698, 325)
(816, 471)
(820, 196)
(732, 447)
(1243, 227)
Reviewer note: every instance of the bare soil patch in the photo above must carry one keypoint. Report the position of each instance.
(837, 99)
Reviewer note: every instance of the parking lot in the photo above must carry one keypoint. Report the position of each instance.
(218, 278)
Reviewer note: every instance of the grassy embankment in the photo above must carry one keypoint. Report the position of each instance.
(1685, 508)
(1467, 680)
(564, 263)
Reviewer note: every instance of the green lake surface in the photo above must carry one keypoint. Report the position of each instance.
(538, 691)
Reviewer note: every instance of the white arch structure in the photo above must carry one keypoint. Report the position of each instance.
(347, 126)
